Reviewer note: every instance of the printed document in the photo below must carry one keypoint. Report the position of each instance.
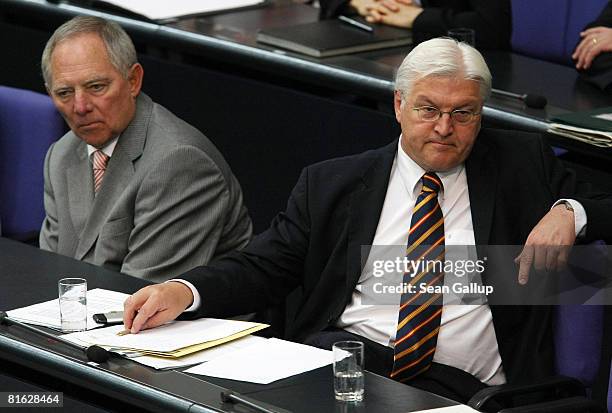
(47, 314)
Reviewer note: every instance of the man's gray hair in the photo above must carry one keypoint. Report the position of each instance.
(119, 46)
(443, 57)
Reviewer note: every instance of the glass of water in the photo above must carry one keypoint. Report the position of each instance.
(348, 370)
(73, 304)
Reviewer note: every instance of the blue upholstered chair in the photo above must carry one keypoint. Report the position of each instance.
(549, 29)
(29, 124)
(579, 334)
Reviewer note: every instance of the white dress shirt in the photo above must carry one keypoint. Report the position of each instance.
(467, 338)
(108, 149)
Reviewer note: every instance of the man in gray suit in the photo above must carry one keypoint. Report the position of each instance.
(131, 187)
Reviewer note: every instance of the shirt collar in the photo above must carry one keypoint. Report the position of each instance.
(108, 149)
(411, 173)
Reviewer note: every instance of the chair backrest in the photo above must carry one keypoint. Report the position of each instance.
(580, 331)
(578, 339)
(549, 29)
(29, 124)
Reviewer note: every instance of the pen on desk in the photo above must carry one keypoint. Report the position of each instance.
(356, 24)
(123, 333)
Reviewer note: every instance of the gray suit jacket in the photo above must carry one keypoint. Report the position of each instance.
(168, 201)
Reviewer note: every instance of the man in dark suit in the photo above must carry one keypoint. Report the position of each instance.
(493, 188)
(491, 20)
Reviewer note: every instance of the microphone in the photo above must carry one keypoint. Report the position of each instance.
(532, 101)
(94, 353)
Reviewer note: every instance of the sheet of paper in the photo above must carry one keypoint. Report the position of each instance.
(159, 10)
(201, 356)
(452, 409)
(169, 337)
(266, 362)
(605, 116)
(47, 314)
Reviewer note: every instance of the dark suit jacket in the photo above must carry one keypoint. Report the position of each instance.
(490, 19)
(334, 209)
(600, 72)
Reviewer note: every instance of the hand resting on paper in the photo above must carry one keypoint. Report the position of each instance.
(155, 305)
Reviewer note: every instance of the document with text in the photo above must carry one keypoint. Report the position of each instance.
(47, 314)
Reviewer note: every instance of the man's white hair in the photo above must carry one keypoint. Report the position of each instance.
(443, 57)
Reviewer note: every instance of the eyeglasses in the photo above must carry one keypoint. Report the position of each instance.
(432, 114)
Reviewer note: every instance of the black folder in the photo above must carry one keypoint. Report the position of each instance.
(598, 119)
(332, 37)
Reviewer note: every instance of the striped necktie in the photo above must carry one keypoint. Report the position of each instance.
(100, 159)
(420, 313)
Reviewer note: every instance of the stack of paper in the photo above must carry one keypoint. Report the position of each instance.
(172, 340)
(47, 314)
(166, 363)
(224, 350)
(593, 126)
(590, 136)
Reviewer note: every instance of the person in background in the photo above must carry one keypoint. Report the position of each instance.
(593, 54)
(130, 187)
(491, 20)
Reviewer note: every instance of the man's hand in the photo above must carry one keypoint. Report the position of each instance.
(594, 41)
(549, 243)
(394, 14)
(155, 305)
(363, 6)
(394, 5)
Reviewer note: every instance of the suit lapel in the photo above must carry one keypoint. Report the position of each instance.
(482, 176)
(365, 207)
(79, 177)
(119, 172)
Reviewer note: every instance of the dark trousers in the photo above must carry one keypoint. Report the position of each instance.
(446, 381)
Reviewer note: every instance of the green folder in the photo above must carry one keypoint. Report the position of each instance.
(597, 119)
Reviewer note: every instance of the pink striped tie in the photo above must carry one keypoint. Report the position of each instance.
(100, 159)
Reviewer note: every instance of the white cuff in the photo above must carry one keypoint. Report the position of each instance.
(196, 295)
(580, 218)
